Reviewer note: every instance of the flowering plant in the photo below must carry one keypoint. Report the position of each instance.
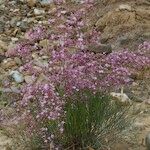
(62, 66)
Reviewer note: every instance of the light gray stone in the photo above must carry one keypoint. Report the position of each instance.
(39, 11)
(17, 76)
(45, 2)
(125, 7)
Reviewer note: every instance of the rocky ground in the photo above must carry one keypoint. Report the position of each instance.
(123, 24)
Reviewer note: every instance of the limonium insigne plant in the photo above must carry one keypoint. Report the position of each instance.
(50, 105)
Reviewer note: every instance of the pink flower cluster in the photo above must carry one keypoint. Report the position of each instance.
(46, 99)
(37, 33)
(144, 48)
(133, 60)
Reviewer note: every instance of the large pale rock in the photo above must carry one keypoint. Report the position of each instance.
(125, 7)
(115, 18)
(121, 97)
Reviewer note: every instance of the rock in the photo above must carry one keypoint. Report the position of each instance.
(29, 20)
(103, 48)
(139, 126)
(147, 101)
(18, 23)
(41, 62)
(2, 18)
(17, 76)
(37, 68)
(15, 32)
(14, 39)
(45, 2)
(143, 13)
(135, 98)
(31, 3)
(147, 141)
(116, 19)
(45, 57)
(125, 7)
(29, 79)
(122, 97)
(13, 21)
(39, 11)
(104, 40)
(44, 43)
(14, 89)
(124, 41)
(23, 26)
(18, 61)
(146, 35)
(35, 55)
(19, 2)
(42, 78)
(8, 63)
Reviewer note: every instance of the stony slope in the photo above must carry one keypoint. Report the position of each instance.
(123, 24)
